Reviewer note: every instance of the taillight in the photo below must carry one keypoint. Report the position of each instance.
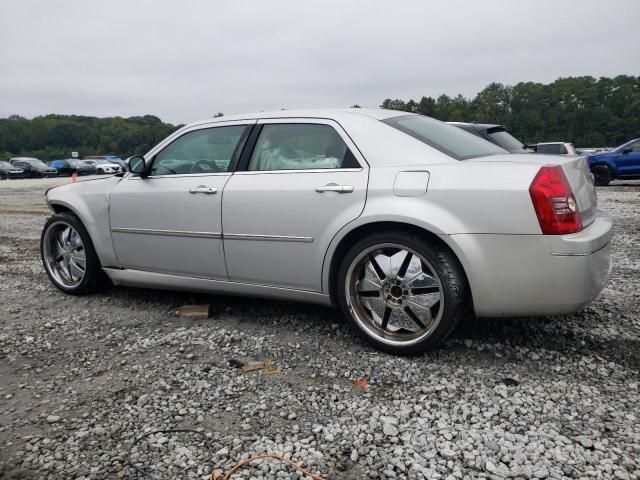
(554, 202)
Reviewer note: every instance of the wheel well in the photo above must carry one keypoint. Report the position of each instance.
(601, 164)
(359, 233)
(61, 208)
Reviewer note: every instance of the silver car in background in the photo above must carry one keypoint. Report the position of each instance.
(405, 223)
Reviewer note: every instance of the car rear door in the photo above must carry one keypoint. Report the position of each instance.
(298, 183)
(170, 221)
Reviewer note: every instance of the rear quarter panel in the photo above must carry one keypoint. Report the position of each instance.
(462, 198)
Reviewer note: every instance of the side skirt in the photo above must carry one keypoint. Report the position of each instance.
(139, 278)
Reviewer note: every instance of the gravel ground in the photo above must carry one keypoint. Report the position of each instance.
(81, 378)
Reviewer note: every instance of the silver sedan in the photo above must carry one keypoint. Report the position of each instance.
(405, 223)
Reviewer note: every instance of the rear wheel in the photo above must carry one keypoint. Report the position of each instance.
(68, 255)
(602, 175)
(402, 294)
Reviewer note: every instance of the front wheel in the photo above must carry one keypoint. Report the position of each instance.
(401, 293)
(602, 175)
(68, 255)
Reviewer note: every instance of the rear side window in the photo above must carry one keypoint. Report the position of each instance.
(446, 138)
(300, 146)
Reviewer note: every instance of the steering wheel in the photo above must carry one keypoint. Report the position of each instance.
(209, 166)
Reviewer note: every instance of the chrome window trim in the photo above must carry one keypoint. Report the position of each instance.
(301, 170)
(276, 238)
(180, 175)
(168, 233)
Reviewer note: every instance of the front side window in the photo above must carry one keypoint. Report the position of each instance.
(300, 146)
(446, 138)
(209, 150)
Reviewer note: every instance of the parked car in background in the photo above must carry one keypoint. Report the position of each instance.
(82, 168)
(554, 148)
(9, 171)
(621, 163)
(591, 150)
(496, 134)
(111, 159)
(406, 223)
(62, 166)
(33, 168)
(103, 166)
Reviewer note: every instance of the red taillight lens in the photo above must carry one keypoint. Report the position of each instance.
(554, 202)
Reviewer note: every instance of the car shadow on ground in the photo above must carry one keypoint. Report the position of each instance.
(554, 333)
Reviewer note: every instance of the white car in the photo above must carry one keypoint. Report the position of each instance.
(103, 166)
(406, 223)
(555, 148)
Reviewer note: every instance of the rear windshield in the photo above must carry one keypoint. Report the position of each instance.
(446, 138)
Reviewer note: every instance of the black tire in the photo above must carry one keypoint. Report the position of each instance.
(454, 289)
(93, 276)
(602, 175)
(100, 171)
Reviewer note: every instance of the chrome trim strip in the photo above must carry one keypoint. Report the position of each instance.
(275, 238)
(230, 236)
(301, 170)
(168, 233)
(181, 175)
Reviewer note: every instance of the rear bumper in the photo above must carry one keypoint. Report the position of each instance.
(522, 275)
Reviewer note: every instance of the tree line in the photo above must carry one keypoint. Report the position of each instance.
(56, 136)
(586, 111)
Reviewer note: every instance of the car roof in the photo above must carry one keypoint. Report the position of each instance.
(331, 113)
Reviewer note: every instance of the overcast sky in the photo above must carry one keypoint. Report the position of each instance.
(186, 60)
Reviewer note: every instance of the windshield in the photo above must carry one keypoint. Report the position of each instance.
(503, 138)
(446, 138)
(4, 164)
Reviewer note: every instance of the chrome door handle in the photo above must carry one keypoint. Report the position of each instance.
(334, 187)
(204, 189)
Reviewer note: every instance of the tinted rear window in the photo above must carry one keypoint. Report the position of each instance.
(446, 138)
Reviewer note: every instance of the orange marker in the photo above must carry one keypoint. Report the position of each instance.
(74, 177)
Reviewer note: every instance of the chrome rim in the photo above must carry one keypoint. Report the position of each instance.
(64, 254)
(394, 294)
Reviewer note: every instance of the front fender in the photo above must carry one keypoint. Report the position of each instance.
(89, 201)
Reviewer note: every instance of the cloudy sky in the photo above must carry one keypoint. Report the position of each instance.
(186, 60)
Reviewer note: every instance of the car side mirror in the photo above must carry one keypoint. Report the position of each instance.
(136, 164)
(627, 150)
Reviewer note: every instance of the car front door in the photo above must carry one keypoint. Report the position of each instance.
(170, 221)
(298, 183)
(629, 163)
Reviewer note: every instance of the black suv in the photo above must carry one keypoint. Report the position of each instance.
(496, 134)
(33, 167)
